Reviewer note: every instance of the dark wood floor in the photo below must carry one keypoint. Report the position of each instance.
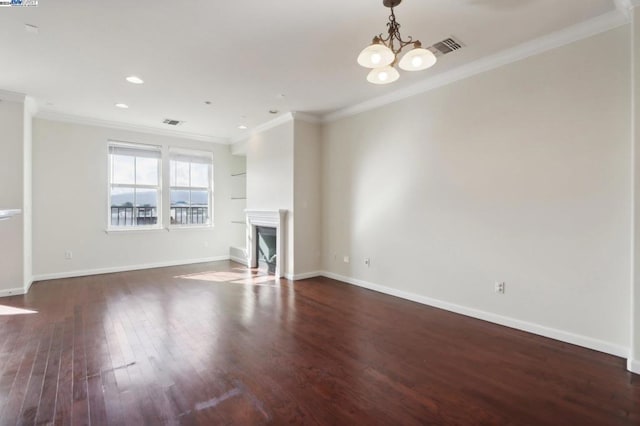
(218, 344)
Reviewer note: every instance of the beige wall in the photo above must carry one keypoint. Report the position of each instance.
(283, 172)
(70, 193)
(11, 197)
(270, 177)
(307, 194)
(635, 323)
(27, 192)
(521, 174)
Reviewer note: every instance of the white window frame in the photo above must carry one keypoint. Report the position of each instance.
(192, 155)
(112, 144)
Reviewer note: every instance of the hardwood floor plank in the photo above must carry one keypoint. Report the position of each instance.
(65, 377)
(36, 380)
(80, 405)
(16, 381)
(48, 396)
(217, 343)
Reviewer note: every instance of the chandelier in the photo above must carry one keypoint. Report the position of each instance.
(382, 54)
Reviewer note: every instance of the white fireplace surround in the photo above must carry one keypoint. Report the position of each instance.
(272, 219)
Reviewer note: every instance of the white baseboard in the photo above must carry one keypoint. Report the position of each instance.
(240, 260)
(564, 336)
(28, 284)
(86, 272)
(12, 292)
(304, 275)
(17, 291)
(633, 366)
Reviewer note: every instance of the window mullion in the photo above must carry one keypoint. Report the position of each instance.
(135, 192)
(190, 219)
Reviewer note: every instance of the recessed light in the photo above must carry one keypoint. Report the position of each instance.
(135, 79)
(123, 106)
(242, 127)
(273, 111)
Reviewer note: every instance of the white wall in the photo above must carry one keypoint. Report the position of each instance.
(27, 193)
(307, 197)
(11, 197)
(270, 177)
(70, 205)
(634, 359)
(520, 174)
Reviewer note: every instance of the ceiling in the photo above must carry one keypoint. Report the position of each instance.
(240, 55)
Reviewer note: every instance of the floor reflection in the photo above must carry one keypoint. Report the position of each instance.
(237, 276)
(10, 310)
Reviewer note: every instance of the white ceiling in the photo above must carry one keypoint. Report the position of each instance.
(241, 54)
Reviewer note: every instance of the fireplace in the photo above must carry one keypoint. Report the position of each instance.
(266, 227)
(266, 248)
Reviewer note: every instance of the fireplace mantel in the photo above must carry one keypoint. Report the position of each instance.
(272, 219)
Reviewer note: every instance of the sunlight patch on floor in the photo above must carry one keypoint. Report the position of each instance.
(10, 310)
(244, 276)
(218, 277)
(265, 280)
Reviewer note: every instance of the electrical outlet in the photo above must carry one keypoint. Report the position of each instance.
(367, 261)
(68, 254)
(346, 259)
(499, 287)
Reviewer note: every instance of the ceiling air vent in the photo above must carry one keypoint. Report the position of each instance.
(172, 122)
(446, 46)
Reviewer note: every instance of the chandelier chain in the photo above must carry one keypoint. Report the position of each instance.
(393, 37)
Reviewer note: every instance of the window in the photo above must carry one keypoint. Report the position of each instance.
(134, 185)
(191, 182)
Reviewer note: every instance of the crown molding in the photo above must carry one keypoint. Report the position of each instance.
(284, 118)
(75, 119)
(5, 95)
(306, 117)
(240, 148)
(534, 47)
(625, 6)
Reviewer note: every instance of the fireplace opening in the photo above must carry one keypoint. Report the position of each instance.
(266, 248)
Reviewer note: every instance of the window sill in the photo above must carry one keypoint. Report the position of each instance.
(133, 230)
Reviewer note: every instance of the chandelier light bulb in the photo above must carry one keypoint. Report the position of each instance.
(376, 55)
(383, 75)
(418, 59)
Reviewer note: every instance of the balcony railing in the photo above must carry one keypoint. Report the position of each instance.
(180, 215)
(131, 216)
(195, 215)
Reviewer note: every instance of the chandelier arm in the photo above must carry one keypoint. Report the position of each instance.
(394, 35)
(384, 57)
